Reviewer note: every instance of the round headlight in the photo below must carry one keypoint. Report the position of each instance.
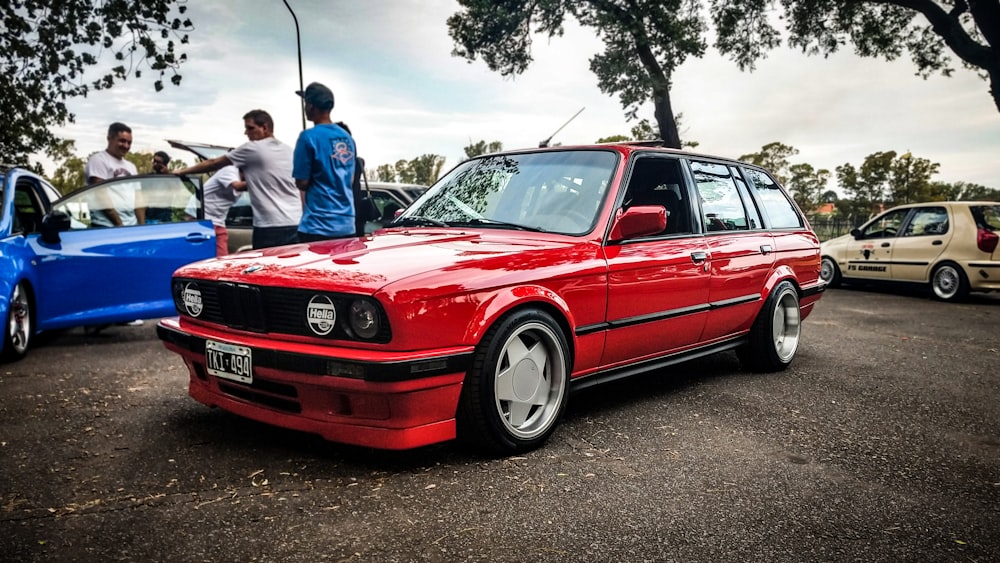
(364, 318)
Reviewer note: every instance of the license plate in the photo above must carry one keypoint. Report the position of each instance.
(229, 361)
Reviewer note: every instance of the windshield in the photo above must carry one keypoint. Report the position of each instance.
(553, 191)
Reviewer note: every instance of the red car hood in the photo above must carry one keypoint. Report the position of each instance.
(366, 265)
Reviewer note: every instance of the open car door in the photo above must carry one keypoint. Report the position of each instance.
(98, 271)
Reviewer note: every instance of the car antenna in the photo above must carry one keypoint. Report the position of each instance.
(546, 142)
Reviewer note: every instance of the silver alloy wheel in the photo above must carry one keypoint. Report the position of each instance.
(19, 321)
(529, 382)
(786, 325)
(946, 282)
(827, 270)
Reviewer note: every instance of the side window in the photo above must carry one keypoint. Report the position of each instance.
(778, 208)
(27, 208)
(885, 226)
(386, 205)
(240, 214)
(658, 181)
(132, 201)
(751, 207)
(927, 221)
(721, 205)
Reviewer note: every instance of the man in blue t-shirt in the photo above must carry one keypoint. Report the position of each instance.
(323, 168)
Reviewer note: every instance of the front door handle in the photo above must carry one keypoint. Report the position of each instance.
(196, 237)
(938, 243)
(766, 249)
(699, 257)
(885, 245)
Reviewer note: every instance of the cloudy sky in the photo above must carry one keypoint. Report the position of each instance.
(396, 84)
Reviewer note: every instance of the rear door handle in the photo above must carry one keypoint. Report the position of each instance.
(885, 245)
(196, 237)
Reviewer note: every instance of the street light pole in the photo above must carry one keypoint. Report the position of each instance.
(298, 44)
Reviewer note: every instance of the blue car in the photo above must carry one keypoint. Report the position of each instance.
(66, 262)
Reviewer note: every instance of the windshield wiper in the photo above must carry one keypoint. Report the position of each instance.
(482, 221)
(417, 221)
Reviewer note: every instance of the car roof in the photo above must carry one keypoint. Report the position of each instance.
(629, 147)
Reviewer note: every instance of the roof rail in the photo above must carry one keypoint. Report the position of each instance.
(647, 143)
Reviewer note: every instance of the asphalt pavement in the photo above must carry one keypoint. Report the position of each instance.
(880, 443)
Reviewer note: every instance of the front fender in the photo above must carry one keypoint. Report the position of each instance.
(510, 298)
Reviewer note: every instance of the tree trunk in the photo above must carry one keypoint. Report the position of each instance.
(994, 78)
(664, 114)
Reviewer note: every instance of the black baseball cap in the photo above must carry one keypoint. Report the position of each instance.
(317, 95)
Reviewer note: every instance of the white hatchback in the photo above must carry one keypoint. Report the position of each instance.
(949, 245)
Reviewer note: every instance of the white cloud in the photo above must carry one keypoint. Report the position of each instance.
(389, 63)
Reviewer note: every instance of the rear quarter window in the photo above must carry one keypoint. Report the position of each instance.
(987, 216)
(779, 209)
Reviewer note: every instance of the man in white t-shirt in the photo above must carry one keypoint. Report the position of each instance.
(121, 204)
(220, 192)
(266, 164)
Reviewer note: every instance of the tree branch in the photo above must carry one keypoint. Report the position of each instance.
(950, 29)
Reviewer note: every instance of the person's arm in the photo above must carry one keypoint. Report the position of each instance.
(205, 166)
(302, 165)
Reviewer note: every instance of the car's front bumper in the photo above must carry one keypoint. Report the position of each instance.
(379, 400)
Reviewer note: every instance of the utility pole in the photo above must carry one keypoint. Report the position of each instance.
(298, 44)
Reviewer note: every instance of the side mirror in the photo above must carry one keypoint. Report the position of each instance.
(53, 223)
(639, 221)
(856, 233)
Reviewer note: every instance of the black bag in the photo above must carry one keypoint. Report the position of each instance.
(364, 207)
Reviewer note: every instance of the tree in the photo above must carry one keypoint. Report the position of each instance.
(886, 179)
(482, 147)
(46, 48)
(774, 157)
(927, 29)
(643, 131)
(910, 180)
(423, 170)
(614, 139)
(645, 41)
(964, 191)
(807, 185)
(68, 175)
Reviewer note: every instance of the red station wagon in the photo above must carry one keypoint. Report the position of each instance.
(516, 278)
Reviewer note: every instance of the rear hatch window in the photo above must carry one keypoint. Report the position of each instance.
(988, 218)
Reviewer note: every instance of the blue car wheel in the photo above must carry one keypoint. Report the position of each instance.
(17, 337)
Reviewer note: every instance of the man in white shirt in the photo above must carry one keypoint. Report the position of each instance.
(122, 204)
(266, 164)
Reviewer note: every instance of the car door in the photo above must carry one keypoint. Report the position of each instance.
(920, 242)
(742, 250)
(869, 252)
(94, 274)
(657, 285)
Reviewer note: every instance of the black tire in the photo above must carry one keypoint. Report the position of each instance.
(948, 282)
(774, 336)
(830, 272)
(19, 329)
(516, 391)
